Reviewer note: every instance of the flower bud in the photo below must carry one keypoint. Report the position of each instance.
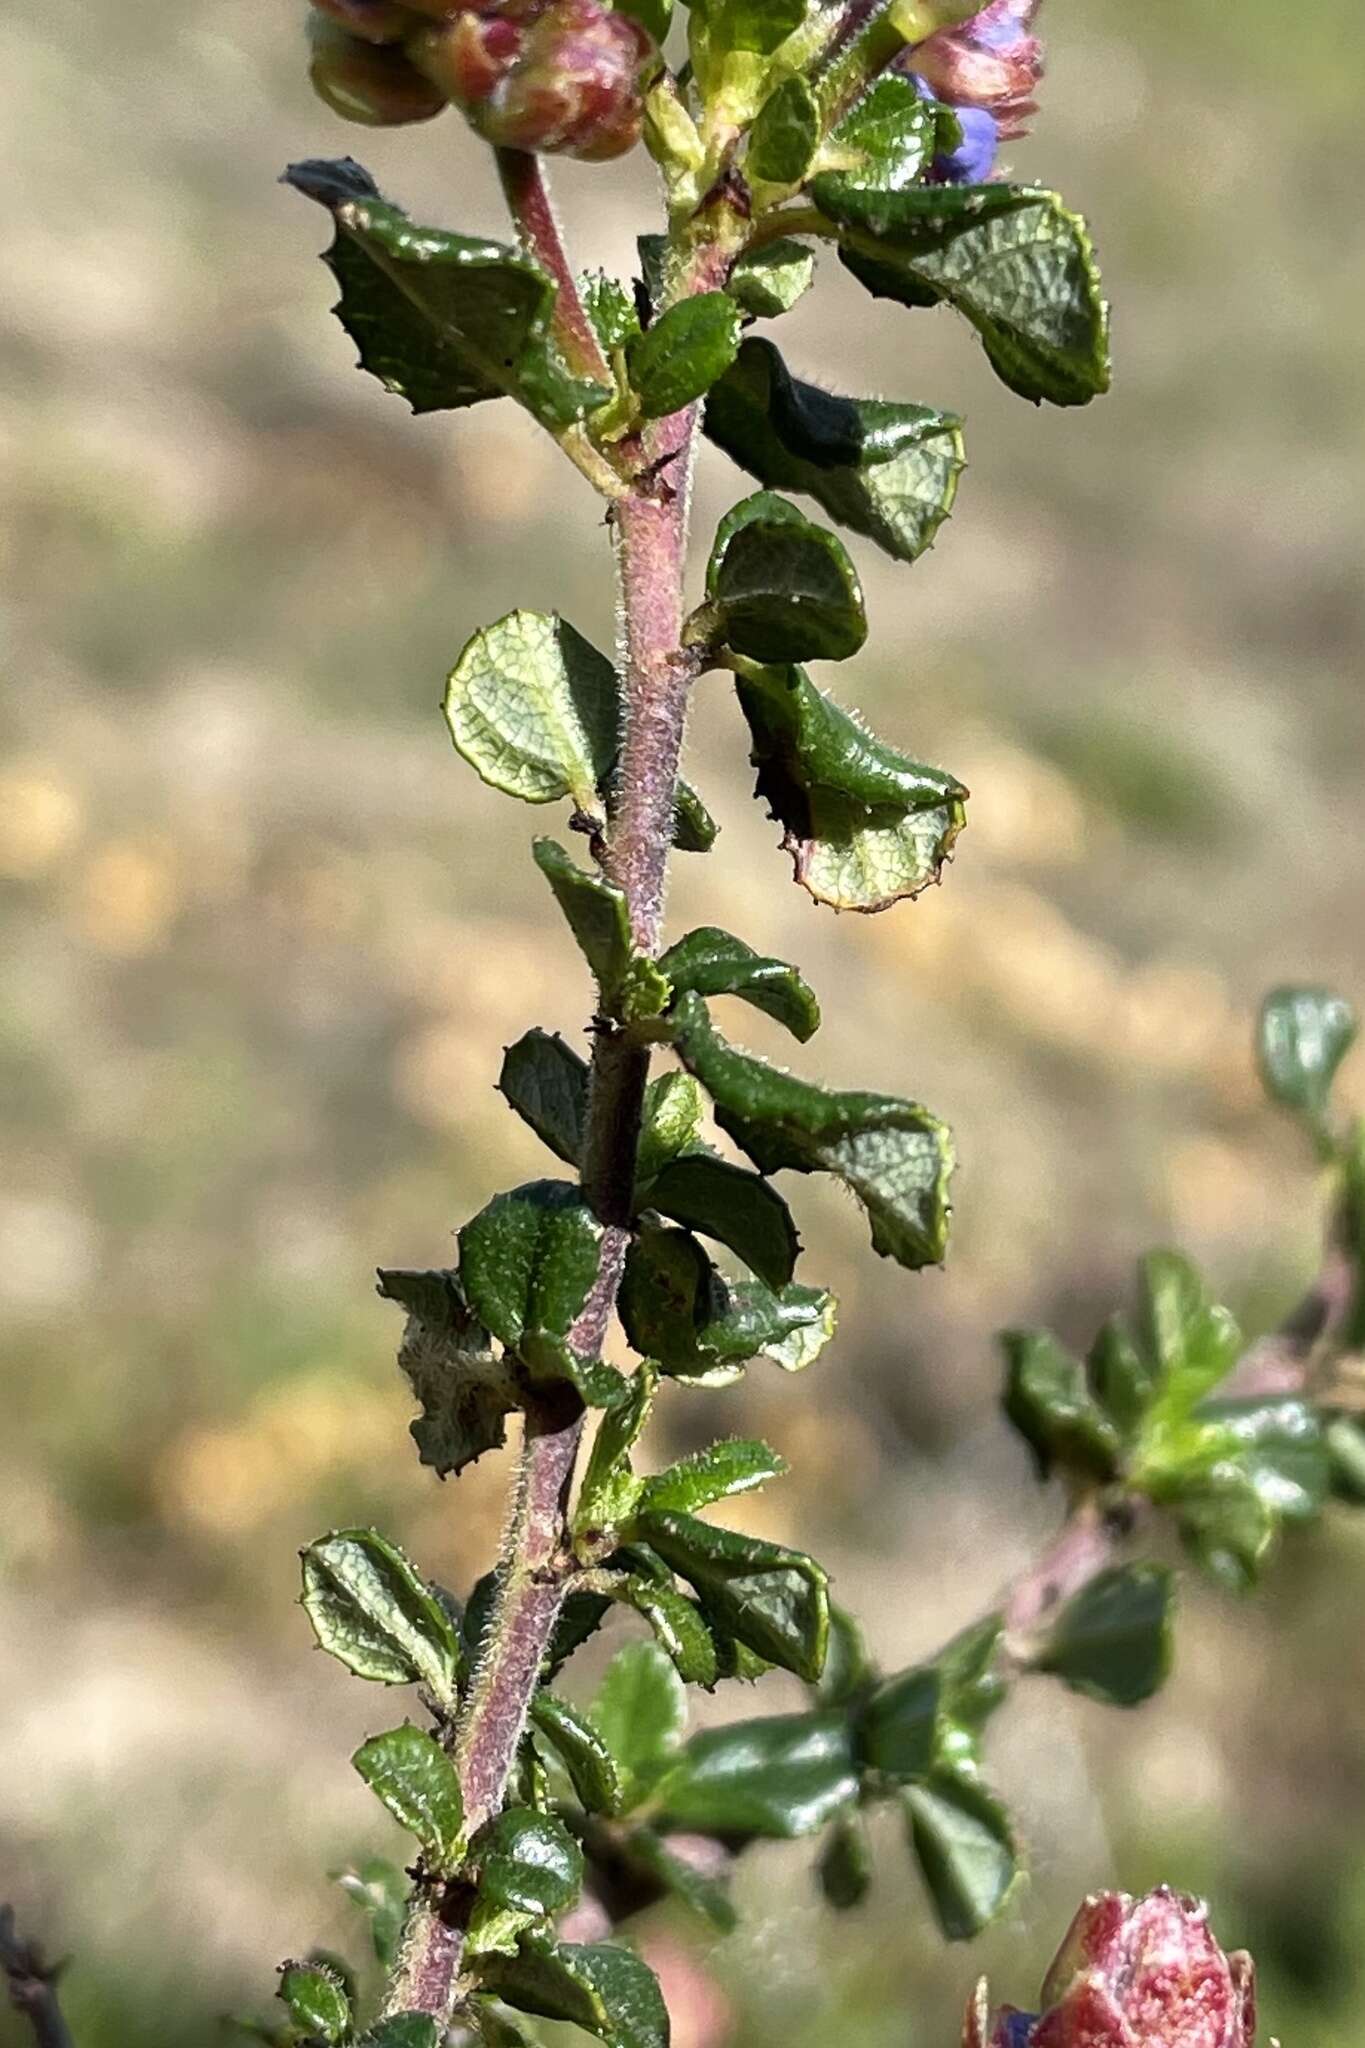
(363, 82)
(564, 78)
(1144, 1973)
(374, 21)
(992, 61)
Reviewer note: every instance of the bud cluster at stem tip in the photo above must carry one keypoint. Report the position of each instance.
(987, 70)
(559, 76)
(1132, 1973)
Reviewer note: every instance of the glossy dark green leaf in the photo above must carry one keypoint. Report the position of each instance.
(767, 282)
(640, 1711)
(528, 1862)
(675, 1308)
(845, 1866)
(1303, 1036)
(380, 1889)
(1120, 1378)
(442, 319)
(1049, 1402)
(735, 1465)
(848, 1668)
(782, 588)
(679, 358)
(1226, 1524)
(610, 1488)
(972, 1687)
(527, 1264)
(694, 829)
(884, 144)
(1010, 258)
(591, 1766)
(886, 470)
(596, 913)
(679, 1627)
(546, 1083)
(1278, 1441)
(371, 1611)
(704, 1895)
(734, 1207)
(895, 1156)
(865, 826)
(403, 2030)
(465, 1390)
(412, 1775)
(535, 710)
(783, 140)
(715, 963)
(774, 1600)
(898, 1728)
(963, 1842)
(1113, 1639)
(1344, 1439)
(672, 1116)
(602, 1988)
(317, 2001)
(782, 1777)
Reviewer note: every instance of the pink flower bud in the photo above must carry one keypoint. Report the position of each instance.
(366, 83)
(1143, 1973)
(563, 78)
(992, 61)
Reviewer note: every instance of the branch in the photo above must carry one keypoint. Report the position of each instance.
(32, 1984)
(531, 207)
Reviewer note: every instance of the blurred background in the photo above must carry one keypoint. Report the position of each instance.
(264, 936)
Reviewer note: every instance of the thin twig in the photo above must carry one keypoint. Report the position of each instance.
(32, 1984)
(531, 207)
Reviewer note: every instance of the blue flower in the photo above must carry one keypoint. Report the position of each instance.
(972, 162)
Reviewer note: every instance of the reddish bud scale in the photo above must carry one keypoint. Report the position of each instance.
(1143, 1973)
(991, 61)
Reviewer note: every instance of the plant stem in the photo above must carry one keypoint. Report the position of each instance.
(651, 545)
(531, 207)
(32, 1985)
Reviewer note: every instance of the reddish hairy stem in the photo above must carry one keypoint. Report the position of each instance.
(529, 202)
(651, 541)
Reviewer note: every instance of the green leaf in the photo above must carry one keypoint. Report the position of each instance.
(781, 1778)
(898, 1729)
(715, 963)
(447, 1357)
(316, 2000)
(883, 145)
(735, 1465)
(772, 1599)
(679, 1627)
(675, 1307)
(781, 588)
(596, 912)
(706, 1896)
(679, 358)
(864, 825)
(1303, 1036)
(735, 1207)
(972, 1688)
(782, 141)
(607, 303)
(894, 1156)
(546, 1083)
(527, 1264)
(610, 1488)
(380, 1889)
(1049, 1402)
(767, 282)
(1226, 1524)
(1120, 1378)
(672, 1117)
(885, 470)
(845, 1866)
(442, 319)
(412, 1775)
(848, 1667)
(1112, 1640)
(403, 2030)
(1345, 1443)
(528, 1862)
(962, 1839)
(653, 16)
(591, 1766)
(1192, 1345)
(602, 1988)
(1010, 258)
(640, 1711)
(535, 710)
(1278, 1441)
(371, 1611)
